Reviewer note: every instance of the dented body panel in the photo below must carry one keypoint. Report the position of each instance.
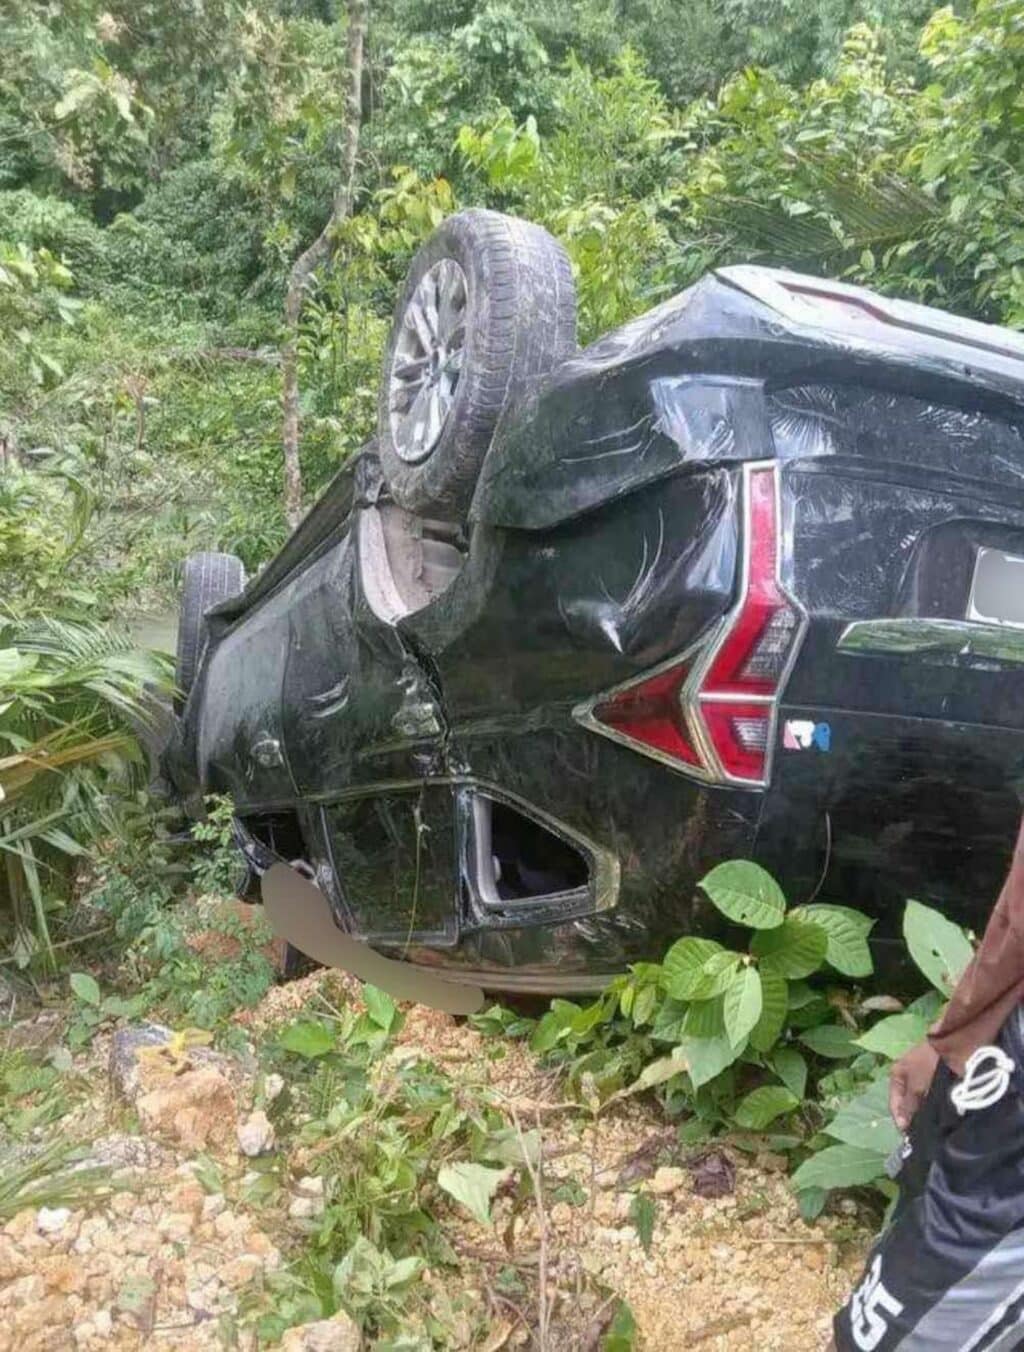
(610, 538)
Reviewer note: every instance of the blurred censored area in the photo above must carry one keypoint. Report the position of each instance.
(299, 913)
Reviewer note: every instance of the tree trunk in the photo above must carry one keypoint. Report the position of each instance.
(318, 252)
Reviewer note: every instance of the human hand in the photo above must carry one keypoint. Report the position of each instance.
(909, 1082)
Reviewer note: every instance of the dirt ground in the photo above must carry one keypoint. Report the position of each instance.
(158, 1265)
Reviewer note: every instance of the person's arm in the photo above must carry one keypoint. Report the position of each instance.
(986, 993)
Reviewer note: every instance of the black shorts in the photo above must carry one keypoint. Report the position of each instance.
(948, 1274)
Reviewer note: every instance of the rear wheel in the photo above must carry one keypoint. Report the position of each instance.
(208, 579)
(489, 308)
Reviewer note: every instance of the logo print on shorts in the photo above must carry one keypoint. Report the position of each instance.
(868, 1304)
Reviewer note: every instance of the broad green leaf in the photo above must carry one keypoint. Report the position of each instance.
(865, 1121)
(707, 1057)
(795, 949)
(742, 1004)
(811, 1202)
(683, 968)
(929, 1006)
(656, 1073)
(847, 933)
(744, 892)
(719, 971)
(762, 1106)
(308, 1038)
(402, 1271)
(379, 1006)
(791, 1068)
(86, 988)
(706, 1018)
(555, 1025)
(833, 1040)
(895, 1035)
(801, 994)
(774, 1004)
(669, 1021)
(940, 948)
(474, 1185)
(839, 1166)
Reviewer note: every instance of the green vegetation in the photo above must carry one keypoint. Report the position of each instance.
(160, 172)
(773, 1044)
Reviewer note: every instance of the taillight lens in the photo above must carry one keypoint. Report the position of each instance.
(713, 712)
(650, 713)
(738, 687)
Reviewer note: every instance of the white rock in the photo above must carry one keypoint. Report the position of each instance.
(305, 1208)
(213, 1205)
(338, 1334)
(273, 1086)
(52, 1220)
(103, 1323)
(310, 1186)
(255, 1135)
(667, 1180)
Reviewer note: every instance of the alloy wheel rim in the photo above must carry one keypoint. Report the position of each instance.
(427, 361)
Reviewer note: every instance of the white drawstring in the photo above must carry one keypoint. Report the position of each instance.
(982, 1084)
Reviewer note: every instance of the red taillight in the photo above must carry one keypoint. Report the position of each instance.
(650, 713)
(713, 711)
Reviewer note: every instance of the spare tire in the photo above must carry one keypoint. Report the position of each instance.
(488, 308)
(208, 579)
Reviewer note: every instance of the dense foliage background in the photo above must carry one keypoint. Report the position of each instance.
(163, 162)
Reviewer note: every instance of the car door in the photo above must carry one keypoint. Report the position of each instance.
(364, 732)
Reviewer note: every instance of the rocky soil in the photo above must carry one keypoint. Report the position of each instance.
(162, 1260)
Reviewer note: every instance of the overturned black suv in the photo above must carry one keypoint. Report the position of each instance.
(745, 578)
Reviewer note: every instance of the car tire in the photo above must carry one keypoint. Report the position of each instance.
(489, 307)
(208, 579)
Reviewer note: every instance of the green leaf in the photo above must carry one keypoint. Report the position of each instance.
(707, 1057)
(379, 1006)
(764, 1105)
(308, 1038)
(865, 1121)
(846, 932)
(683, 968)
(832, 1040)
(706, 1018)
(719, 971)
(744, 892)
(669, 1022)
(795, 949)
(474, 1185)
(555, 1025)
(402, 1271)
(811, 1203)
(743, 1003)
(621, 1335)
(839, 1166)
(643, 1212)
(774, 1006)
(940, 948)
(86, 988)
(657, 1072)
(791, 1068)
(895, 1035)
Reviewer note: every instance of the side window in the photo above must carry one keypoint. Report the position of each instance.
(394, 863)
